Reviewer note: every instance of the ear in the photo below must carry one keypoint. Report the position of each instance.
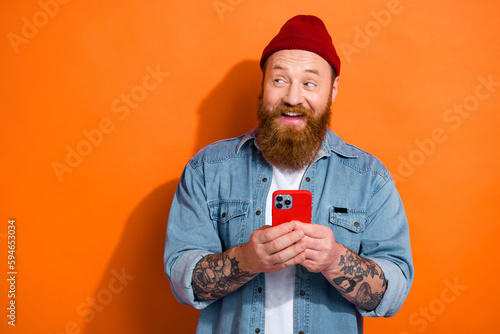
(335, 88)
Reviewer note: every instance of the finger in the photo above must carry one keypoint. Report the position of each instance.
(284, 241)
(311, 265)
(311, 255)
(288, 254)
(314, 243)
(293, 261)
(270, 233)
(312, 230)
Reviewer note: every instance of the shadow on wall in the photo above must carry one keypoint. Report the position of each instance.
(230, 108)
(134, 294)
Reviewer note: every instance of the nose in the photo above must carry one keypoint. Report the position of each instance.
(294, 95)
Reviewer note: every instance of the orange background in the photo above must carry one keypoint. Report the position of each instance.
(67, 70)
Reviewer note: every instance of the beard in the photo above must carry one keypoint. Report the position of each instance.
(285, 146)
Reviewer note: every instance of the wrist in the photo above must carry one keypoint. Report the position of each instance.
(333, 270)
(244, 260)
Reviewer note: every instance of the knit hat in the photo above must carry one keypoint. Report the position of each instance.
(304, 32)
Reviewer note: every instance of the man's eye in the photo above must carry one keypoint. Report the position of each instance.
(310, 84)
(279, 80)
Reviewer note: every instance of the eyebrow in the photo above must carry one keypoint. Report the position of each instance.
(279, 67)
(313, 71)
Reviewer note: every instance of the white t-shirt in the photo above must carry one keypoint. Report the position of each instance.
(280, 285)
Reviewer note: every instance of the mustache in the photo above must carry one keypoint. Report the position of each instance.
(283, 109)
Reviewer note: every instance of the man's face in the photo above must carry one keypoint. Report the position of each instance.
(298, 78)
(294, 107)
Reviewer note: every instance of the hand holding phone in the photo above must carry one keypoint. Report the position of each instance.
(291, 205)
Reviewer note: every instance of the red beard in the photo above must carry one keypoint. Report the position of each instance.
(285, 146)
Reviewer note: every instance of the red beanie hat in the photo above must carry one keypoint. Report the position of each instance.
(304, 32)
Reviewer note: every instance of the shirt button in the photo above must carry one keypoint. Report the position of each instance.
(264, 179)
(356, 224)
(301, 332)
(302, 292)
(257, 212)
(257, 330)
(308, 179)
(259, 289)
(223, 215)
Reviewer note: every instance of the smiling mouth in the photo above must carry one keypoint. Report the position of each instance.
(292, 115)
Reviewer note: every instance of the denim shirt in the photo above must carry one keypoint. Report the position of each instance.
(220, 201)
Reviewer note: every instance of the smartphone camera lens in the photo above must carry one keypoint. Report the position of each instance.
(288, 202)
(279, 198)
(279, 205)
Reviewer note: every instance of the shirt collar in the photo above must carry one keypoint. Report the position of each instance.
(331, 143)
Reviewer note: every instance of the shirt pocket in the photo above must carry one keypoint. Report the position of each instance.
(229, 217)
(348, 225)
(223, 211)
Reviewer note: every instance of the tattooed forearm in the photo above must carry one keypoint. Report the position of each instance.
(216, 275)
(362, 281)
(366, 299)
(357, 267)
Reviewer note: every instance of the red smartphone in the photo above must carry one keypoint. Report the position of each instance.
(291, 205)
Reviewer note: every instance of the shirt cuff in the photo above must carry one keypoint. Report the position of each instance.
(182, 274)
(395, 293)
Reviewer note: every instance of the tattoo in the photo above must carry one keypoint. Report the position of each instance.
(216, 275)
(356, 266)
(356, 269)
(343, 283)
(366, 299)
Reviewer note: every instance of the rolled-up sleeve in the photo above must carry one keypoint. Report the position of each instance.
(191, 235)
(386, 242)
(181, 276)
(394, 295)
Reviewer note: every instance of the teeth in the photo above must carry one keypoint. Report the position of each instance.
(293, 114)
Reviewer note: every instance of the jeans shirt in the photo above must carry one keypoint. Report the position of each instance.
(220, 201)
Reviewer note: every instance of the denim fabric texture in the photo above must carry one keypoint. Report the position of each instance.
(220, 201)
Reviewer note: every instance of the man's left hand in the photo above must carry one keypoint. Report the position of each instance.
(322, 251)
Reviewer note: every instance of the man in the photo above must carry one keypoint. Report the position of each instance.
(222, 255)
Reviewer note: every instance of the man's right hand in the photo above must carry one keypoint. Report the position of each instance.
(271, 249)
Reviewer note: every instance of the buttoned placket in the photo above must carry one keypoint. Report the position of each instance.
(263, 184)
